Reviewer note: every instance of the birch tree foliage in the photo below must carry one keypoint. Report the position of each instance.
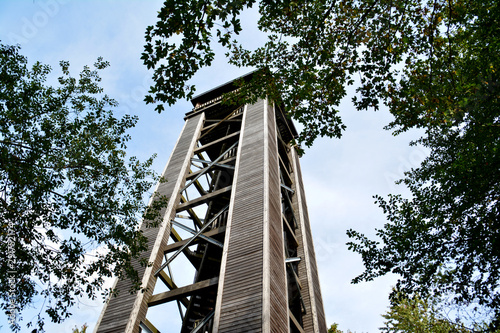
(70, 200)
(433, 63)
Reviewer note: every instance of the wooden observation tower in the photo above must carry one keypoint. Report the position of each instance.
(237, 216)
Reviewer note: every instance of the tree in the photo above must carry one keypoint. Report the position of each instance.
(334, 328)
(69, 200)
(444, 239)
(434, 64)
(417, 314)
(82, 330)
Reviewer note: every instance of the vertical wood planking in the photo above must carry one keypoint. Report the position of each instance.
(252, 290)
(252, 285)
(241, 301)
(314, 320)
(278, 285)
(124, 312)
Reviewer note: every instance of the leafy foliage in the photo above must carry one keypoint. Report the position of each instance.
(314, 49)
(70, 201)
(434, 64)
(82, 330)
(305, 75)
(416, 314)
(445, 239)
(334, 328)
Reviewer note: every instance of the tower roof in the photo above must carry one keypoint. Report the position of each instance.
(220, 90)
(285, 124)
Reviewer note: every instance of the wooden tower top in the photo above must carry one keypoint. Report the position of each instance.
(206, 100)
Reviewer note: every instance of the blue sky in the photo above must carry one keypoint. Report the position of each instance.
(340, 176)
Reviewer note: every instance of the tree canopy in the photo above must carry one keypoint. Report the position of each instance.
(69, 199)
(445, 239)
(434, 64)
(429, 314)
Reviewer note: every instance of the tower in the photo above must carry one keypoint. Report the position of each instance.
(237, 215)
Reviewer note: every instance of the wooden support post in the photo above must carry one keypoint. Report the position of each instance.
(264, 278)
(182, 292)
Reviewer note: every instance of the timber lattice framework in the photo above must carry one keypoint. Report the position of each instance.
(237, 216)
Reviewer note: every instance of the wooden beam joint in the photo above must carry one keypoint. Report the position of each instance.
(180, 293)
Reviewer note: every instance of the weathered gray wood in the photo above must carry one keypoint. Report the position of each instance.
(216, 142)
(253, 255)
(252, 286)
(203, 199)
(314, 320)
(296, 323)
(124, 312)
(182, 292)
(175, 246)
(278, 302)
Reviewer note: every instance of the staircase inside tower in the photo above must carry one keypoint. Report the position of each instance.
(203, 212)
(202, 304)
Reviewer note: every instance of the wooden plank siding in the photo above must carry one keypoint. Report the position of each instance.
(180, 293)
(124, 312)
(252, 284)
(314, 320)
(278, 310)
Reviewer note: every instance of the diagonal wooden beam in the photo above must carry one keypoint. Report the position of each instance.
(207, 169)
(231, 116)
(194, 232)
(182, 292)
(286, 175)
(149, 326)
(171, 285)
(175, 236)
(203, 199)
(192, 214)
(202, 230)
(214, 232)
(295, 322)
(215, 142)
(291, 231)
(218, 165)
(200, 188)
